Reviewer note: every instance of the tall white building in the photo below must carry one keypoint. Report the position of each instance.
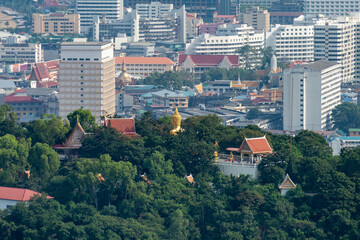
(154, 9)
(291, 43)
(331, 7)
(336, 41)
(88, 9)
(311, 91)
(87, 78)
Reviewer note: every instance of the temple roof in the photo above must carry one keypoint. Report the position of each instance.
(125, 126)
(256, 145)
(74, 139)
(287, 183)
(190, 179)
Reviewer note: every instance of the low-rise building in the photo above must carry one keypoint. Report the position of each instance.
(24, 105)
(193, 22)
(56, 23)
(140, 67)
(228, 40)
(21, 52)
(170, 99)
(11, 196)
(198, 64)
(209, 28)
(257, 18)
(218, 86)
(224, 18)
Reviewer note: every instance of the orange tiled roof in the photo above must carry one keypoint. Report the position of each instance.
(18, 194)
(144, 60)
(125, 126)
(256, 145)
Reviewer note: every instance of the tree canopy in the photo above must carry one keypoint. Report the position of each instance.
(135, 188)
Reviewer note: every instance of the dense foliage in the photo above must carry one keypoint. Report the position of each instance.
(122, 205)
(345, 116)
(170, 80)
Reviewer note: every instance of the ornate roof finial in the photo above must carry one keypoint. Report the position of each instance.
(123, 69)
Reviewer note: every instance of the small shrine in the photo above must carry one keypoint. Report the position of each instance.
(176, 123)
(125, 126)
(286, 185)
(252, 149)
(190, 179)
(70, 148)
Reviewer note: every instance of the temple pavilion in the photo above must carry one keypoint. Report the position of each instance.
(252, 149)
(70, 148)
(286, 185)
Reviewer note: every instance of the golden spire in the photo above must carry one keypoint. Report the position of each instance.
(176, 122)
(123, 69)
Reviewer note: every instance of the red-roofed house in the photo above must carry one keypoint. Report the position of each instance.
(254, 148)
(197, 64)
(125, 126)
(24, 105)
(45, 71)
(10, 196)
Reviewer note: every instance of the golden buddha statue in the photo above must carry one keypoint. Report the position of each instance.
(176, 123)
(216, 154)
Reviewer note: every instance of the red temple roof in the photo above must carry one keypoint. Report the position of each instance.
(256, 145)
(125, 126)
(209, 60)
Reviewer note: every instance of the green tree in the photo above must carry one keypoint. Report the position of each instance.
(253, 113)
(345, 116)
(86, 119)
(178, 228)
(13, 158)
(44, 160)
(49, 129)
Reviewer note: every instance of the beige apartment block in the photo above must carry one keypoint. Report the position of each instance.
(56, 23)
(87, 78)
(257, 18)
(140, 67)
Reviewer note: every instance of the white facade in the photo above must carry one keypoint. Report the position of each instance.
(88, 9)
(21, 52)
(262, 3)
(154, 9)
(5, 203)
(311, 91)
(171, 27)
(291, 43)
(331, 7)
(228, 39)
(336, 41)
(87, 78)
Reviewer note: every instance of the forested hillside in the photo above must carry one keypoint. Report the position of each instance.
(122, 205)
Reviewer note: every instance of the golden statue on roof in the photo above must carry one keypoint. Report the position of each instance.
(176, 123)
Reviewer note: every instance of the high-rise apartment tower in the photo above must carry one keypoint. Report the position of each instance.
(87, 78)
